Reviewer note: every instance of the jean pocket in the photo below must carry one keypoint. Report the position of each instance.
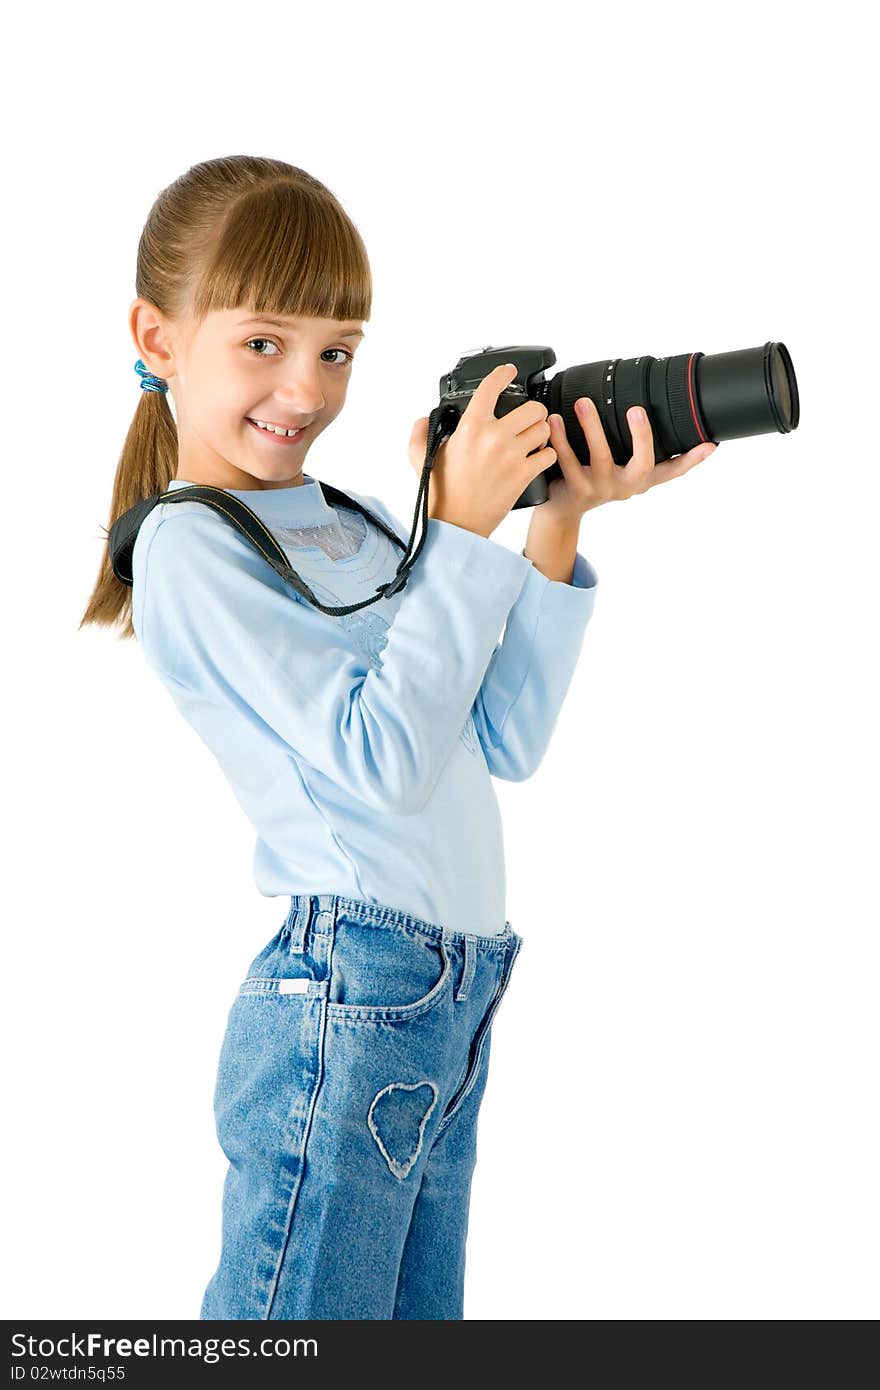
(385, 973)
(276, 972)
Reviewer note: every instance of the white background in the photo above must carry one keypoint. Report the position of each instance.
(681, 1120)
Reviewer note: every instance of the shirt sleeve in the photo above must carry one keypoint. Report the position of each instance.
(214, 618)
(530, 670)
(529, 673)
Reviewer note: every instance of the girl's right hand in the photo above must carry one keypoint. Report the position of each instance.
(487, 464)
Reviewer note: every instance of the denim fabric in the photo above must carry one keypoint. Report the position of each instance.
(349, 1083)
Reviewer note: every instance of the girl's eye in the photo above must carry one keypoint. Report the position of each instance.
(260, 340)
(349, 356)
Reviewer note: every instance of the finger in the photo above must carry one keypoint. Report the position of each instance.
(674, 468)
(575, 474)
(536, 435)
(559, 441)
(601, 457)
(485, 398)
(642, 461)
(418, 444)
(526, 418)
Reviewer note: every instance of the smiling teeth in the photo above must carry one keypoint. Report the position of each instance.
(275, 429)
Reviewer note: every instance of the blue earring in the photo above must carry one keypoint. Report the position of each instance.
(149, 382)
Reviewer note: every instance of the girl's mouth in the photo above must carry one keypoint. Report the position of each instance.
(276, 438)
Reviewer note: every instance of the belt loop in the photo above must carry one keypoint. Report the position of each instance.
(299, 921)
(324, 912)
(470, 965)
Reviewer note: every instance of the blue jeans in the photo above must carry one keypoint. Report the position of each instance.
(349, 1083)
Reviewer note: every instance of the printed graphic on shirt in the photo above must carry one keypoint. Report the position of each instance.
(468, 735)
(338, 539)
(368, 630)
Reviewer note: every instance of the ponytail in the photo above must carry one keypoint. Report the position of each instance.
(146, 466)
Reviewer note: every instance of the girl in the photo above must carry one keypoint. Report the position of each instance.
(360, 746)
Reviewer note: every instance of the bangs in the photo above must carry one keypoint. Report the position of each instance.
(283, 249)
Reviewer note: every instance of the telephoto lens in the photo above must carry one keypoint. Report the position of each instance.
(691, 399)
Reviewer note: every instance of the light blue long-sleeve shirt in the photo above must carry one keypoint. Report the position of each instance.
(362, 748)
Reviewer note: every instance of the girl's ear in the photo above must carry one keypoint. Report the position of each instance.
(418, 445)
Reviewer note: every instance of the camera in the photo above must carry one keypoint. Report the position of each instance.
(692, 398)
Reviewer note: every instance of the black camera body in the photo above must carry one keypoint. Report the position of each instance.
(690, 399)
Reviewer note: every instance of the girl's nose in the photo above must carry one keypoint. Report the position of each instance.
(303, 395)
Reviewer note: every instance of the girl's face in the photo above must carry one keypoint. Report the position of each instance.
(237, 367)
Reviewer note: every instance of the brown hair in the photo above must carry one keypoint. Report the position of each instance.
(229, 233)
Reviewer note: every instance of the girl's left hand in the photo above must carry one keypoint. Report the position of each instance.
(585, 486)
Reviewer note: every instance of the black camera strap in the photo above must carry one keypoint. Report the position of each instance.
(123, 532)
